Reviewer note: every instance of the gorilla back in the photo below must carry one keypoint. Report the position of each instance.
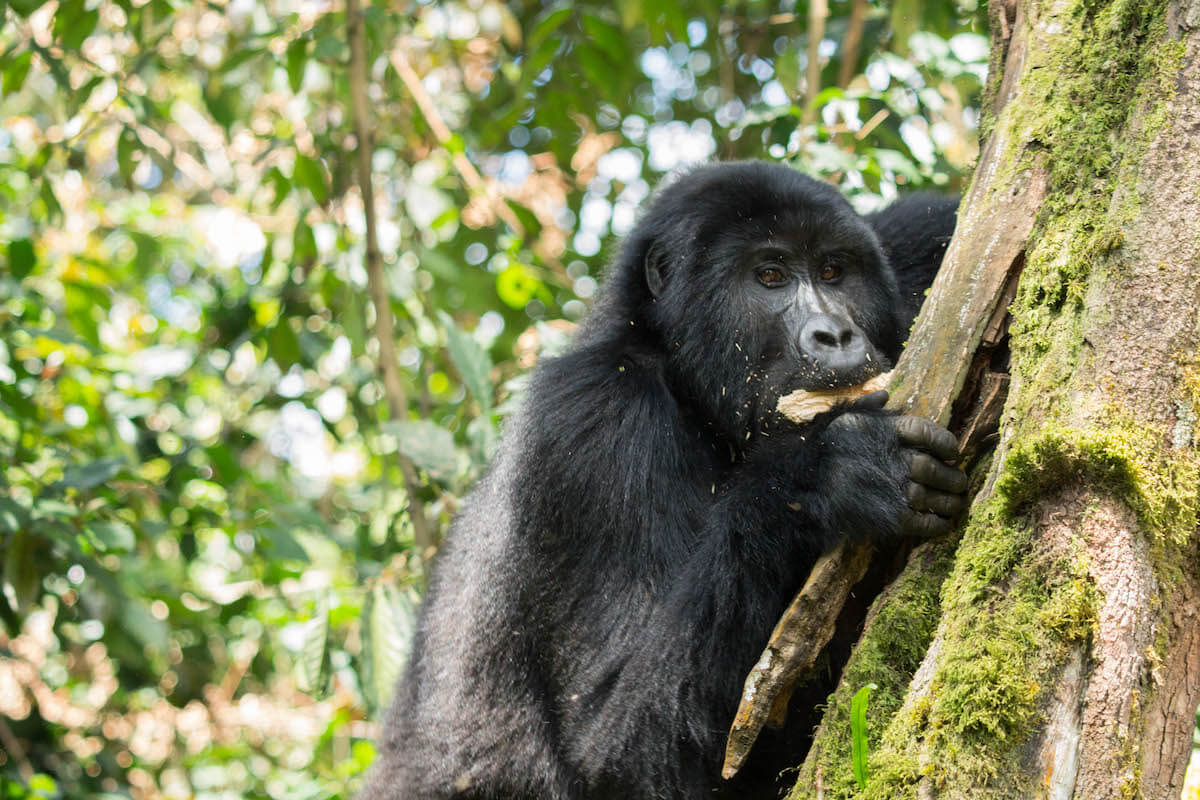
(615, 575)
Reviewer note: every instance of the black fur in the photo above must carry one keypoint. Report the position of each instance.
(915, 231)
(618, 571)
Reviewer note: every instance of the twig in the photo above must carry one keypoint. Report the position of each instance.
(818, 10)
(15, 751)
(852, 42)
(376, 283)
(442, 132)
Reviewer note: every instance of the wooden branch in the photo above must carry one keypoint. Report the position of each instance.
(389, 372)
(799, 636)
(15, 751)
(441, 131)
(818, 10)
(852, 43)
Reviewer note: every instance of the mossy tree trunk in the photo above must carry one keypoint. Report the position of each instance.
(1053, 650)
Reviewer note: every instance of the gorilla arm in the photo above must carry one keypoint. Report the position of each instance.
(712, 610)
(806, 626)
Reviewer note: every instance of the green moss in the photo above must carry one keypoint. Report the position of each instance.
(1010, 613)
(1087, 113)
(906, 616)
(1122, 457)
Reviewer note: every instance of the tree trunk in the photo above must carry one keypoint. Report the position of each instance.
(1054, 649)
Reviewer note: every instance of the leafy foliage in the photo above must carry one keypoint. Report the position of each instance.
(208, 571)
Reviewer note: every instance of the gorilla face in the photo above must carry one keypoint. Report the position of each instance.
(763, 282)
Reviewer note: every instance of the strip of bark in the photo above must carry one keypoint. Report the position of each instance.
(790, 650)
(852, 42)
(389, 372)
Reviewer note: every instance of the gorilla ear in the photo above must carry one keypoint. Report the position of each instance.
(655, 278)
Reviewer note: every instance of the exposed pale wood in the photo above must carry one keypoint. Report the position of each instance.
(790, 650)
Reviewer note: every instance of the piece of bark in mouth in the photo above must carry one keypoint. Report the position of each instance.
(802, 405)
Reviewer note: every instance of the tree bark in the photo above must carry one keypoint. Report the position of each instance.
(1053, 650)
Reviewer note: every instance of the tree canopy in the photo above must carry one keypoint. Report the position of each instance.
(215, 505)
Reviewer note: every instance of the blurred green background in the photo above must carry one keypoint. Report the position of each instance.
(216, 504)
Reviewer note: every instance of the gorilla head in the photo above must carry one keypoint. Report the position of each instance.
(756, 281)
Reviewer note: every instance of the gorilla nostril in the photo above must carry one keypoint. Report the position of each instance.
(825, 333)
(825, 338)
(832, 343)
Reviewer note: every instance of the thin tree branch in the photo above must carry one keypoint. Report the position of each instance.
(818, 10)
(393, 387)
(852, 43)
(15, 751)
(442, 132)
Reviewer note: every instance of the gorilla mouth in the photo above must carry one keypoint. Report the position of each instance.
(811, 376)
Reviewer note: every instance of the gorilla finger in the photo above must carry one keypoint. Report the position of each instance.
(926, 525)
(927, 435)
(927, 470)
(921, 498)
(873, 401)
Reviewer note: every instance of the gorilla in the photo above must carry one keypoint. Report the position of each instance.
(610, 582)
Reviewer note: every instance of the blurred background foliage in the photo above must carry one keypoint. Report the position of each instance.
(219, 487)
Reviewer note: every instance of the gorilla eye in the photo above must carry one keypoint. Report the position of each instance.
(829, 271)
(772, 277)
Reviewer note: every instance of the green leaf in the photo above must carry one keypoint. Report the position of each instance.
(135, 618)
(428, 445)
(596, 68)
(517, 285)
(473, 363)
(283, 545)
(280, 185)
(127, 146)
(43, 785)
(859, 748)
(528, 219)
(537, 62)
(22, 579)
(219, 101)
(111, 536)
(54, 210)
(390, 615)
(25, 7)
(148, 260)
(304, 244)
(73, 23)
(310, 662)
(283, 345)
(85, 304)
(13, 516)
(550, 20)
(484, 436)
(297, 58)
(14, 76)
(309, 173)
(49, 508)
(607, 37)
(89, 476)
(21, 258)
(456, 145)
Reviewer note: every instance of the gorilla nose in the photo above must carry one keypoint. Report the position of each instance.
(834, 344)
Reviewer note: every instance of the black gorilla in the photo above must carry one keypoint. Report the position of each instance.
(608, 585)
